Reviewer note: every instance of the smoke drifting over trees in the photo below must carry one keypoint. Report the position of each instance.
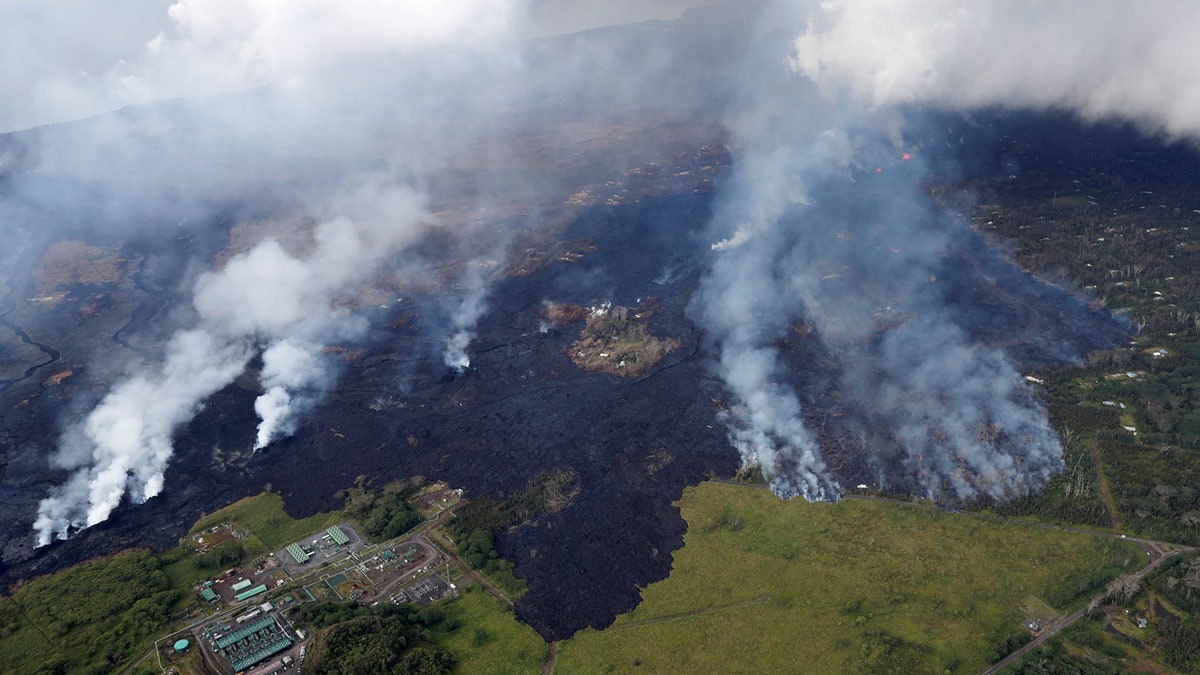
(823, 221)
(822, 149)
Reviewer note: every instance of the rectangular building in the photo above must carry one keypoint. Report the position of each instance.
(298, 554)
(335, 533)
(261, 588)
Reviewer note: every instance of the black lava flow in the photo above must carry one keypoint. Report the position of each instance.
(523, 408)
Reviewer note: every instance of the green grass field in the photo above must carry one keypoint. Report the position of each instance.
(270, 525)
(504, 646)
(764, 585)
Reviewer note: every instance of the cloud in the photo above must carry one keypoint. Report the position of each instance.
(1100, 59)
(55, 65)
(149, 50)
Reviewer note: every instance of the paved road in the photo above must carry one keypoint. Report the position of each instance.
(470, 573)
(1156, 559)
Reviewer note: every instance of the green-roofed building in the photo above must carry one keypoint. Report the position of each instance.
(243, 633)
(241, 585)
(263, 653)
(335, 533)
(261, 588)
(298, 554)
(208, 595)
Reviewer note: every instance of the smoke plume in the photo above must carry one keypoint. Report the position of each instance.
(264, 299)
(281, 101)
(463, 318)
(825, 228)
(822, 228)
(123, 445)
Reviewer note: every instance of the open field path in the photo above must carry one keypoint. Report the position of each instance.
(1104, 495)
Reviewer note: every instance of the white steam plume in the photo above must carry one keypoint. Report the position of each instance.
(123, 445)
(265, 295)
(808, 232)
(294, 377)
(462, 321)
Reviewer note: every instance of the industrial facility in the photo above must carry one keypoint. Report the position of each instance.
(252, 644)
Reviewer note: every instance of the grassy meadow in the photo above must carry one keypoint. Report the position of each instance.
(764, 585)
(270, 526)
(490, 641)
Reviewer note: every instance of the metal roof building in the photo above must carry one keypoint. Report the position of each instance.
(297, 553)
(261, 588)
(253, 644)
(241, 585)
(243, 633)
(262, 654)
(335, 533)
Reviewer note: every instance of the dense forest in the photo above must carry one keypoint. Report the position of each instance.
(386, 639)
(382, 514)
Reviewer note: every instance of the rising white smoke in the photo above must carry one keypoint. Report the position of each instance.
(808, 233)
(265, 296)
(294, 377)
(463, 319)
(748, 309)
(123, 445)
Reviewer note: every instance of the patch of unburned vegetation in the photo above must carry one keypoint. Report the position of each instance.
(488, 638)
(270, 526)
(92, 618)
(614, 339)
(766, 585)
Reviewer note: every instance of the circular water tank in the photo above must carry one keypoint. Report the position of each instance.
(181, 645)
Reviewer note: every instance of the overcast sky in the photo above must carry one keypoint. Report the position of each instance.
(62, 60)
